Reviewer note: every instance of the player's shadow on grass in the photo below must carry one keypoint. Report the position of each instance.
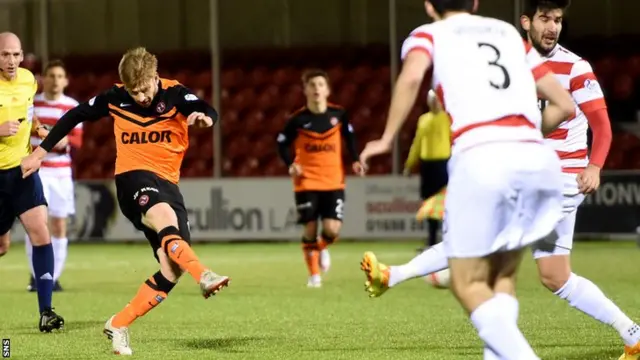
(72, 326)
(227, 344)
(603, 354)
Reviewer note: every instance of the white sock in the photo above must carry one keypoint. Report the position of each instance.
(28, 247)
(585, 296)
(431, 260)
(59, 255)
(498, 328)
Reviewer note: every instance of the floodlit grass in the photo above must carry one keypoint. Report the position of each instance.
(268, 313)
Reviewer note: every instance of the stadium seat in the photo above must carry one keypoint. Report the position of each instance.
(261, 88)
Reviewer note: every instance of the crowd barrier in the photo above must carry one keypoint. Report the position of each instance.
(245, 209)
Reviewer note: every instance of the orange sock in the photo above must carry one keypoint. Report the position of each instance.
(311, 256)
(180, 252)
(150, 294)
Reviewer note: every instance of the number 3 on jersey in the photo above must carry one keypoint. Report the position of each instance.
(494, 61)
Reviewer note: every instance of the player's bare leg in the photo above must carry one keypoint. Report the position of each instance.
(330, 232)
(494, 314)
(35, 224)
(556, 275)
(174, 256)
(163, 219)
(5, 243)
(311, 253)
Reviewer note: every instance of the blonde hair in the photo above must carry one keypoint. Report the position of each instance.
(137, 66)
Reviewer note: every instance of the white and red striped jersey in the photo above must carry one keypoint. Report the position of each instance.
(484, 75)
(48, 112)
(570, 138)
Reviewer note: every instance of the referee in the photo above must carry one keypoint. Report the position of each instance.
(431, 148)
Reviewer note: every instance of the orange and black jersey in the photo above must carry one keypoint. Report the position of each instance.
(317, 140)
(153, 138)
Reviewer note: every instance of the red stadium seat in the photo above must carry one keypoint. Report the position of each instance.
(202, 80)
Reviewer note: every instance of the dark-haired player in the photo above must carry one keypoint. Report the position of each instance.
(316, 131)
(56, 172)
(151, 120)
(505, 186)
(542, 23)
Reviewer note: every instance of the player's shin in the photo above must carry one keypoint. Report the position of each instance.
(494, 315)
(180, 252)
(585, 296)
(43, 261)
(311, 255)
(430, 261)
(152, 292)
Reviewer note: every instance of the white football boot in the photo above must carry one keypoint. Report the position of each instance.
(315, 281)
(119, 338)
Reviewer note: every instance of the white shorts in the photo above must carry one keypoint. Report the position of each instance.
(58, 190)
(501, 197)
(560, 241)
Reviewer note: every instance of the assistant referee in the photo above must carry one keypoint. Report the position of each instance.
(431, 148)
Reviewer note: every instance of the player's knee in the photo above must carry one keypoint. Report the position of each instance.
(554, 271)
(329, 235)
(35, 224)
(58, 227)
(331, 230)
(170, 239)
(309, 243)
(162, 283)
(160, 216)
(311, 230)
(505, 285)
(5, 243)
(554, 281)
(469, 276)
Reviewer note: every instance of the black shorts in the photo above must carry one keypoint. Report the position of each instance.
(138, 191)
(433, 177)
(312, 205)
(17, 195)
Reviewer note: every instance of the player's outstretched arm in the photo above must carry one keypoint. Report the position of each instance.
(197, 111)
(94, 109)
(560, 106)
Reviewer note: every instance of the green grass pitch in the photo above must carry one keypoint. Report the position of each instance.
(268, 313)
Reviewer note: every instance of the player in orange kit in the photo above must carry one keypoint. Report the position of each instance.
(151, 119)
(316, 132)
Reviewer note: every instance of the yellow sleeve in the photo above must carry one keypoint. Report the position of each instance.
(414, 152)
